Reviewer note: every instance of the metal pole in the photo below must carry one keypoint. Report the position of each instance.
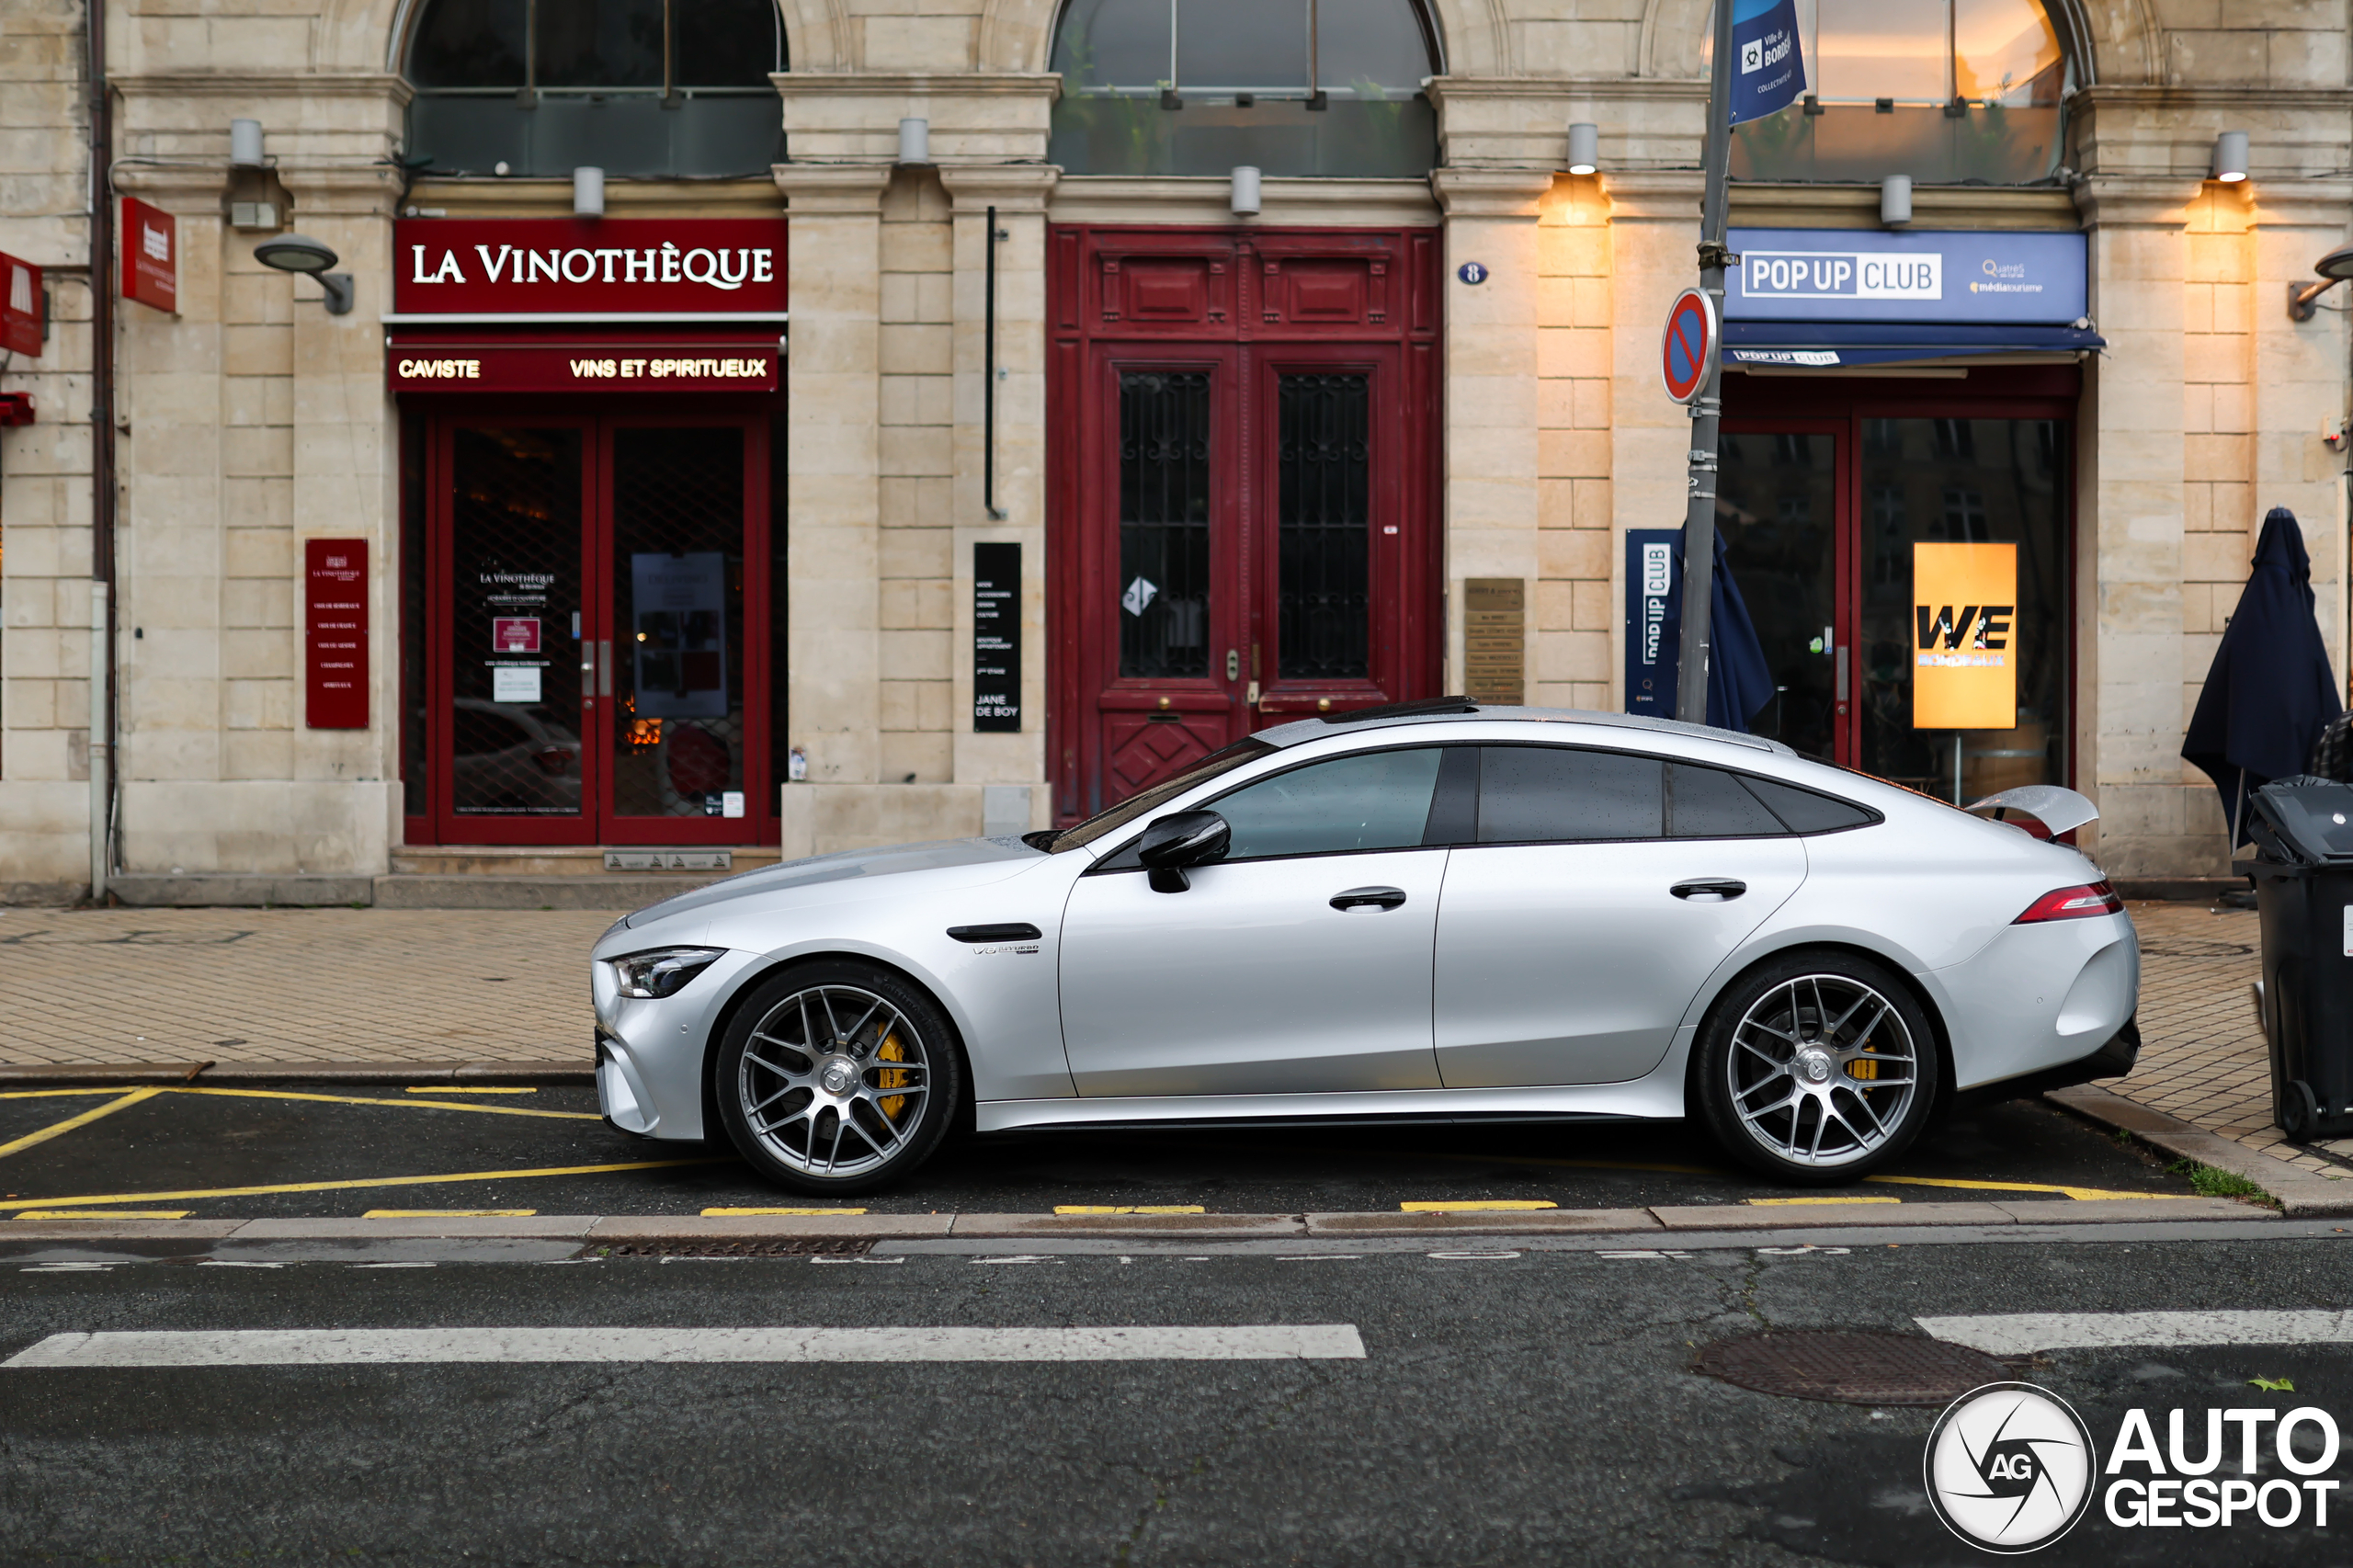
(102, 453)
(101, 753)
(1707, 409)
(988, 382)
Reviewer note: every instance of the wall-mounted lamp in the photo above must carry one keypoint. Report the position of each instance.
(299, 253)
(1895, 201)
(588, 192)
(2230, 157)
(245, 145)
(914, 142)
(1585, 148)
(1246, 191)
(2335, 267)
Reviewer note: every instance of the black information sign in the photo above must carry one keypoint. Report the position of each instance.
(996, 637)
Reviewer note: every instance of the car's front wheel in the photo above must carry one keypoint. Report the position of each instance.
(837, 1076)
(1815, 1068)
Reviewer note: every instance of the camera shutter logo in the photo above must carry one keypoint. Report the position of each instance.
(2009, 1468)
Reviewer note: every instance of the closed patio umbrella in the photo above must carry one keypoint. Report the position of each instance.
(1740, 683)
(2270, 691)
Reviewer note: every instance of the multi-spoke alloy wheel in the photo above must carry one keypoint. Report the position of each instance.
(834, 1079)
(1817, 1069)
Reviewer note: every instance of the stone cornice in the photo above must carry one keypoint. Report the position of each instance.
(264, 84)
(1654, 194)
(2327, 100)
(1932, 207)
(365, 191)
(832, 189)
(526, 197)
(1208, 200)
(2158, 201)
(1663, 89)
(1491, 193)
(1008, 187)
(918, 84)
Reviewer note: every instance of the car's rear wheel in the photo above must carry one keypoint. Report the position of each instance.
(838, 1076)
(1816, 1068)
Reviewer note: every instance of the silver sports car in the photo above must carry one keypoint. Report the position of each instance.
(1433, 911)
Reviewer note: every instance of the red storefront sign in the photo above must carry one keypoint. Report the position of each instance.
(613, 268)
(20, 307)
(335, 630)
(151, 255)
(530, 367)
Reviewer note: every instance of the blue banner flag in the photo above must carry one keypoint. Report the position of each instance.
(1767, 67)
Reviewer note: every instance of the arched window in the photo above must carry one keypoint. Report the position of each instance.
(1201, 86)
(643, 87)
(1947, 91)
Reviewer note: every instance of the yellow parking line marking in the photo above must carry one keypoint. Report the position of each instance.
(2081, 1194)
(446, 1089)
(737, 1213)
(1130, 1208)
(1514, 1204)
(449, 1213)
(50, 1094)
(1784, 1202)
(105, 1214)
(361, 1099)
(58, 1130)
(364, 1181)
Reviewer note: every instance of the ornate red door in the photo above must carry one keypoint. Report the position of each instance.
(1248, 506)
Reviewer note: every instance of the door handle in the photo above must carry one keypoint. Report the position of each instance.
(604, 666)
(1383, 898)
(1717, 890)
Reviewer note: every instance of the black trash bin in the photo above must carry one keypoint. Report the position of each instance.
(2303, 887)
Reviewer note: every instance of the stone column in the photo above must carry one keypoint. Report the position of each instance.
(833, 465)
(1018, 192)
(1493, 411)
(1653, 239)
(2299, 375)
(2133, 686)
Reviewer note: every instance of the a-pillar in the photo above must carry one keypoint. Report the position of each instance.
(1493, 411)
(1018, 192)
(832, 381)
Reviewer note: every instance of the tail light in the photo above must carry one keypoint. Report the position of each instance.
(2082, 902)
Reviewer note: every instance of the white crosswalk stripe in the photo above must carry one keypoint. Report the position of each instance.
(2018, 1334)
(376, 1347)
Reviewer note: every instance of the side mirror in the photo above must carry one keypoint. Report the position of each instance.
(1185, 838)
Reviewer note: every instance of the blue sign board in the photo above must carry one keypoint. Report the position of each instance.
(1653, 620)
(1863, 274)
(1767, 67)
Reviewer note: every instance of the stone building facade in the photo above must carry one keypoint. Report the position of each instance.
(934, 394)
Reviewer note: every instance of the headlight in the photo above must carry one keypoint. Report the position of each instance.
(663, 972)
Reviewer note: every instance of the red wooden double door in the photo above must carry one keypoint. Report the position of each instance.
(1244, 496)
(596, 651)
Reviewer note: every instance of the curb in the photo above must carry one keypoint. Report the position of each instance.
(2301, 1195)
(253, 1073)
(1696, 1218)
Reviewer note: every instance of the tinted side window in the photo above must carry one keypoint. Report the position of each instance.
(1805, 811)
(1706, 803)
(1544, 794)
(1374, 800)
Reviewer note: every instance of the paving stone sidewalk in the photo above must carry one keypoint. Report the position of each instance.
(383, 985)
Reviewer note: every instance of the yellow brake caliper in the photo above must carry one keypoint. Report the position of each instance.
(891, 1077)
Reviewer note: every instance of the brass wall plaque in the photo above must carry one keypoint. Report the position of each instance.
(1494, 640)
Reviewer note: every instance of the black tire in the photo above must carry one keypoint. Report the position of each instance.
(804, 1071)
(1851, 1044)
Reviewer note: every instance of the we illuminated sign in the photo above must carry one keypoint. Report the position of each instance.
(1964, 636)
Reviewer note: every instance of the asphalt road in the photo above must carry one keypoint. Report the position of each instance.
(344, 1152)
(1531, 1405)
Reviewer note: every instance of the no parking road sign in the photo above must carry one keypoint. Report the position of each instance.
(1688, 352)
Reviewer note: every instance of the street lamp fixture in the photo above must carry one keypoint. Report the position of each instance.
(2230, 157)
(1585, 148)
(2335, 268)
(299, 253)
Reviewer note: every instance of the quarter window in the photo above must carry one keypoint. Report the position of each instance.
(1707, 802)
(1557, 795)
(1371, 801)
(1806, 812)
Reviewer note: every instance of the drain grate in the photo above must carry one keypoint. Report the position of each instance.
(787, 1247)
(1851, 1367)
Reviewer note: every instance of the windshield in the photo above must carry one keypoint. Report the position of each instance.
(1152, 800)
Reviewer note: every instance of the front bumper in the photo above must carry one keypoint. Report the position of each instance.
(650, 1051)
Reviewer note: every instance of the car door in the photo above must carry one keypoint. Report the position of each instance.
(1598, 891)
(1299, 964)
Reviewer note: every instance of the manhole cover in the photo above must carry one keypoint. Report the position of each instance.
(2183, 947)
(1851, 1368)
(797, 1247)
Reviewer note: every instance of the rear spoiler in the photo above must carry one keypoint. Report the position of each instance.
(2030, 806)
